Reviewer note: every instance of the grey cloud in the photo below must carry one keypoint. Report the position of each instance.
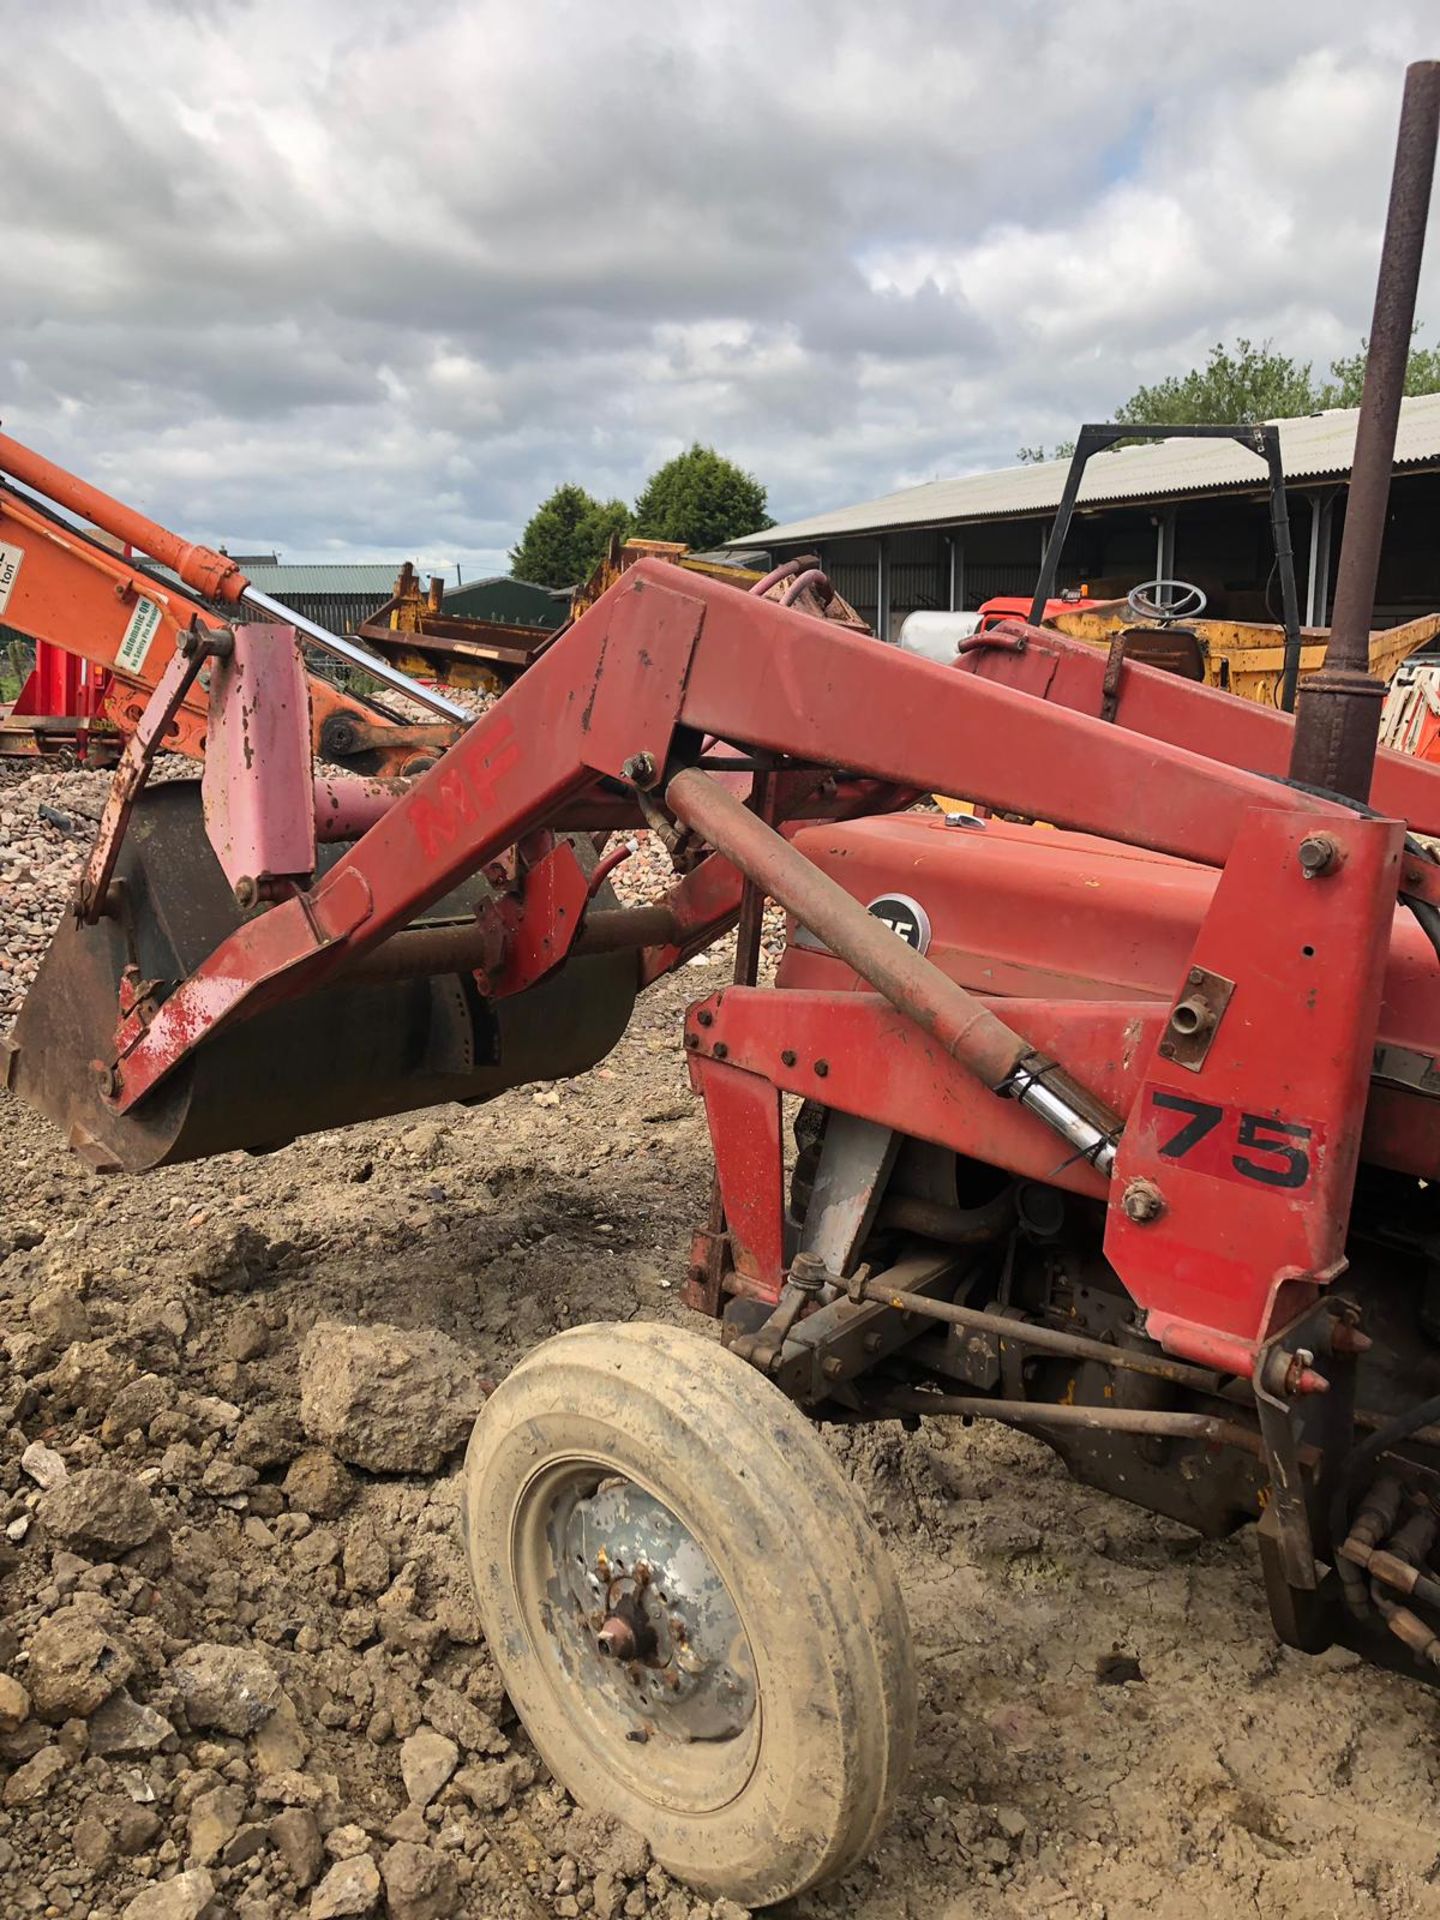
(372, 278)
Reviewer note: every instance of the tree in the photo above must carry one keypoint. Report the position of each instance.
(1033, 456)
(1236, 385)
(701, 498)
(566, 537)
(1422, 375)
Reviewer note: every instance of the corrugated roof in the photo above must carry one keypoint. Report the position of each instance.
(1315, 446)
(340, 576)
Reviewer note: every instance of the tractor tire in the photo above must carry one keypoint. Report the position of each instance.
(689, 1608)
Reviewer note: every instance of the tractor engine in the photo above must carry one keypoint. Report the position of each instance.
(1025, 913)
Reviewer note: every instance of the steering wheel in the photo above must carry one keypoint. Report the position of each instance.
(1182, 601)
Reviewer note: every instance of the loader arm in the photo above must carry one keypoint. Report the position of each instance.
(627, 697)
(60, 586)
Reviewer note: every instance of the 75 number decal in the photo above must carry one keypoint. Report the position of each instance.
(1227, 1142)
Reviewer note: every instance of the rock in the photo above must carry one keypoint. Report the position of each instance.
(461, 1720)
(419, 1883)
(387, 1399)
(214, 1821)
(35, 1779)
(135, 1405)
(296, 1837)
(247, 1337)
(24, 1743)
(93, 1842)
(317, 1484)
(268, 1438)
(111, 1824)
(232, 1688)
(279, 1744)
(75, 1665)
(423, 1139)
(223, 1479)
(14, 1704)
(316, 1550)
(427, 1760)
(241, 1261)
(183, 1898)
(180, 1463)
(211, 1413)
(344, 1842)
(89, 1374)
(58, 1316)
(489, 1788)
(100, 1508)
(366, 1560)
(123, 1726)
(244, 1844)
(44, 1466)
(351, 1887)
(134, 1827)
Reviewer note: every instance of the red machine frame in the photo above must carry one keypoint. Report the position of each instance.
(655, 669)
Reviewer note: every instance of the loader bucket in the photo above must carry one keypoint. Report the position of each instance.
(344, 1053)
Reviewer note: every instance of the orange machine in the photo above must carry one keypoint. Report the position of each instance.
(61, 586)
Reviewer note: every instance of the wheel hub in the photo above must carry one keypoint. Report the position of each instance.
(652, 1627)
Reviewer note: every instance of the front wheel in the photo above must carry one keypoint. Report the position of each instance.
(689, 1609)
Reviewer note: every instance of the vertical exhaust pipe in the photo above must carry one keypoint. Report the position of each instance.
(1337, 721)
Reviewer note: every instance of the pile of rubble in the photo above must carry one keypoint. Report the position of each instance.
(240, 1672)
(47, 821)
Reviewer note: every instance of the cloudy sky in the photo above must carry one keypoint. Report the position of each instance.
(358, 279)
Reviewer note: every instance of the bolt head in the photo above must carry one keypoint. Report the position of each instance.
(1317, 855)
(1142, 1202)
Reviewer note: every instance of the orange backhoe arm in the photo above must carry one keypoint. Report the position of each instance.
(60, 586)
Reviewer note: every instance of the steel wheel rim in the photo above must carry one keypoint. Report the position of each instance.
(679, 1722)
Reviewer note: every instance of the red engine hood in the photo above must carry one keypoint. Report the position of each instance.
(1035, 913)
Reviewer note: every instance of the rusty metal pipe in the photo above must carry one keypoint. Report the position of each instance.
(346, 807)
(1024, 1333)
(463, 946)
(1027, 1413)
(1338, 717)
(614, 929)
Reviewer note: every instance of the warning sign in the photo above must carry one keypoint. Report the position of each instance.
(143, 627)
(10, 558)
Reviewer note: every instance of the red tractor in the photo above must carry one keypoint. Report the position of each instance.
(1128, 1133)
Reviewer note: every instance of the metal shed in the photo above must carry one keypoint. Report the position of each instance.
(1193, 508)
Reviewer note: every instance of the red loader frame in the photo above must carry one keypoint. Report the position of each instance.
(626, 700)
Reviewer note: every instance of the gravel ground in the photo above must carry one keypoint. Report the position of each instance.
(240, 1672)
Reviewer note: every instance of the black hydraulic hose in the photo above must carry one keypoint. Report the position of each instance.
(1428, 917)
(1392, 1434)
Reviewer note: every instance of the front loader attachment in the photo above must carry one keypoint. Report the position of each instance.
(349, 1052)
